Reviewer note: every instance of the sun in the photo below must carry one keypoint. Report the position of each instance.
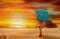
(14, 24)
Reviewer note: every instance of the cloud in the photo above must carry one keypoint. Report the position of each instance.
(40, 4)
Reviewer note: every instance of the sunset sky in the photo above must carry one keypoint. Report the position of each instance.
(20, 13)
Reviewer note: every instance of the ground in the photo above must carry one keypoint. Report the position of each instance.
(30, 33)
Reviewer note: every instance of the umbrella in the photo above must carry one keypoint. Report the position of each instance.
(42, 14)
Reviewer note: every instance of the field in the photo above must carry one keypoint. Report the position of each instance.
(29, 33)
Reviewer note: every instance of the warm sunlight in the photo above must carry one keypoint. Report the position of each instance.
(15, 24)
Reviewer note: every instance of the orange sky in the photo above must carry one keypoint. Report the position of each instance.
(15, 15)
(16, 12)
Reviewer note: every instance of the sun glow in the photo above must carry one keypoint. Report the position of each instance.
(14, 24)
(16, 20)
(18, 17)
(17, 23)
